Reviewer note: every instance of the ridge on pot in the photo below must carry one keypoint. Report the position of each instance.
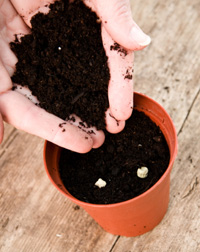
(142, 213)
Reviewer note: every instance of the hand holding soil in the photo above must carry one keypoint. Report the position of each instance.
(17, 110)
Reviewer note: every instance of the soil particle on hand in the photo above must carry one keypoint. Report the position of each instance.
(63, 62)
(128, 75)
(140, 144)
(118, 48)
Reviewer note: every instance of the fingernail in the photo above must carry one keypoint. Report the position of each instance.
(140, 37)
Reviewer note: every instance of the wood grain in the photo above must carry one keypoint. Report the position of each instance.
(35, 217)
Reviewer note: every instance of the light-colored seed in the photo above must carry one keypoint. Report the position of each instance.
(142, 172)
(100, 183)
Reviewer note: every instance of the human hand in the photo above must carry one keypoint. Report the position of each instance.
(23, 114)
(117, 26)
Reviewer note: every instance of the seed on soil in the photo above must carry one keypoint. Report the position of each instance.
(142, 172)
(100, 183)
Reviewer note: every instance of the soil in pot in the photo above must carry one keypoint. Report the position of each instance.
(140, 144)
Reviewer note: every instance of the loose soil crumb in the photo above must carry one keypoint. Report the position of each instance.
(140, 144)
(63, 63)
(76, 208)
(118, 48)
(128, 75)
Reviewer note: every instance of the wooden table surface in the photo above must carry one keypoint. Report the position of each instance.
(35, 217)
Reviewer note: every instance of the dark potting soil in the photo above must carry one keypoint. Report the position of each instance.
(140, 144)
(64, 64)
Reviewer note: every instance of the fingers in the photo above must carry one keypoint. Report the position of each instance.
(112, 124)
(98, 137)
(120, 89)
(28, 8)
(23, 114)
(116, 16)
(1, 128)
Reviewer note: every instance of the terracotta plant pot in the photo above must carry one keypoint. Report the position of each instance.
(142, 213)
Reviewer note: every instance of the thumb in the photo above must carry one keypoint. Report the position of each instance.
(117, 19)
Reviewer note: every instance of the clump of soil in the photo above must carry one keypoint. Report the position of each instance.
(63, 62)
(141, 143)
